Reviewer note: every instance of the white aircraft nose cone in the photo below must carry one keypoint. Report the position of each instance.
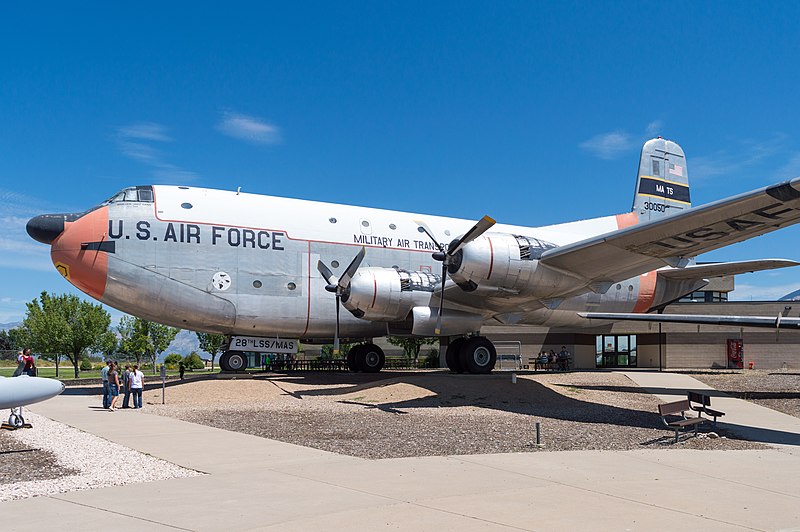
(24, 390)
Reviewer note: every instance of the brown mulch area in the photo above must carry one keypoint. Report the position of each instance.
(435, 413)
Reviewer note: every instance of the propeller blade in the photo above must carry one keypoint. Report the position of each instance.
(438, 330)
(428, 232)
(348, 274)
(336, 337)
(477, 230)
(327, 274)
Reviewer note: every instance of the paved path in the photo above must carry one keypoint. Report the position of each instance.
(255, 483)
(745, 419)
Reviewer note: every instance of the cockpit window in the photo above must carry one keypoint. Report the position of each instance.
(142, 194)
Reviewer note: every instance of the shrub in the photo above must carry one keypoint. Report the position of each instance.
(86, 365)
(193, 361)
(172, 360)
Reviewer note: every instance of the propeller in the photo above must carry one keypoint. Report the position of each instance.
(445, 256)
(339, 285)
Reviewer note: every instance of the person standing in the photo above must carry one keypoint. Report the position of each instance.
(563, 358)
(137, 385)
(104, 377)
(181, 369)
(126, 382)
(27, 363)
(113, 386)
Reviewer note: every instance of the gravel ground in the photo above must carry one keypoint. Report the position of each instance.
(433, 413)
(68, 459)
(779, 390)
(20, 461)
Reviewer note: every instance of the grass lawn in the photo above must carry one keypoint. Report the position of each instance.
(67, 372)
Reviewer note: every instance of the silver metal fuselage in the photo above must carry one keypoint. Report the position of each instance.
(219, 261)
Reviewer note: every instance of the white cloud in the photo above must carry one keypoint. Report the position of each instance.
(655, 127)
(750, 292)
(608, 145)
(790, 169)
(145, 131)
(744, 155)
(135, 142)
(248, 128)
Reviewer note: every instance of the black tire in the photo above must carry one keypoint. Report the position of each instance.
(233, 361)
(370, 358)
(478, 355)
(16, 421)
(453, 355)
(351, 358)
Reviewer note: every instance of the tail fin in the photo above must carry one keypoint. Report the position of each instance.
(662, 185)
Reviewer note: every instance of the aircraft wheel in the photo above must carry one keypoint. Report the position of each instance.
(370, 358)
(478, 355)
(351, 358)
(16, 420)
(237, 361)
(453, 357)
(233, 361)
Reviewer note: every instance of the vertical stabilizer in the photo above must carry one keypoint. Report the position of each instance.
(662, 185)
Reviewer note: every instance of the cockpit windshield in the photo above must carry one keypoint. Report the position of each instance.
(141, 194)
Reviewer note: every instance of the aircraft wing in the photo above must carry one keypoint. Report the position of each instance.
(673, 239)
(772, 322)
(707, 271)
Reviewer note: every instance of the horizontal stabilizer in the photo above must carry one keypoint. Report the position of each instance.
(707, 271)
(772, 322)
(650, 245)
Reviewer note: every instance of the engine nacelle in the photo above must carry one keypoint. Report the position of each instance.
(388, 294)
(506, 263)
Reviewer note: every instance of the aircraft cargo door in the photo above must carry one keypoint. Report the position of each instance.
(273, 290)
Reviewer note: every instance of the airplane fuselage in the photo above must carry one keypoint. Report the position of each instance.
(237, 263)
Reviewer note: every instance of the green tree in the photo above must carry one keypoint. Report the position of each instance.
(172, 360)
(6, 341)
(411, 345)
(150, 339)
(64, 324)
(193, 361)
(126, 344)
(212, 344)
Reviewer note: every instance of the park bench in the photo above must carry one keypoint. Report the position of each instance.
(679, 408)
(703, 405)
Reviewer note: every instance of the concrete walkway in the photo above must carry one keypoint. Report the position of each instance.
(255, 483)
(743, 418)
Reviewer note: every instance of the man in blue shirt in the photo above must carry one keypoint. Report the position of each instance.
(104, 376)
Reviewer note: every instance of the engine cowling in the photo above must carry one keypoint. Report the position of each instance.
(388, 294)
(506, 263)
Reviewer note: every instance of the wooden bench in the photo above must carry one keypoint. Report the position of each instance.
(679, 408)
(703, 405)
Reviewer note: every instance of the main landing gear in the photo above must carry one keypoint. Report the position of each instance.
(471, 355)
(368, 358)
(233, 361)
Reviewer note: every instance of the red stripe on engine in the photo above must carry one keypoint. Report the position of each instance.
(491, 258)
(374, 290)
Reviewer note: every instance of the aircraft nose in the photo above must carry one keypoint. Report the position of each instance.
(46, 227)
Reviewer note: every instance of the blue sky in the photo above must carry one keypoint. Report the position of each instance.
(531, 112)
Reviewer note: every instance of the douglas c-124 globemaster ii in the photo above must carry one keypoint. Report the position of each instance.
(268, 270)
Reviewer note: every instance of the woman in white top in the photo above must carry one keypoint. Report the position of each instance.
(137, 385)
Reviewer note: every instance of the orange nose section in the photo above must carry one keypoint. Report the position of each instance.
(77, 255)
